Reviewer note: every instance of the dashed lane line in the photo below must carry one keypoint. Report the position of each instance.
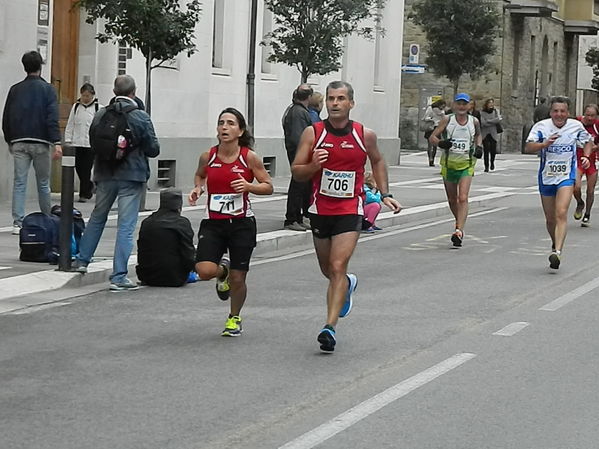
(512, 329)
(355, 414)
(571, 296)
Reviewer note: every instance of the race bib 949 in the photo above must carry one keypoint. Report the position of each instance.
(337, 184)
(226, 203)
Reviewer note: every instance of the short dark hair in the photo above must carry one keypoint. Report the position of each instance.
(303, 92)
(340, 85)
(32, 62)
(560, 99)
(246, 139)
(87, 87)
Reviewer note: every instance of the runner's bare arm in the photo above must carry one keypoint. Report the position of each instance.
(307, 162)
(264, 185)
(199, 180)
(379, 169)
(586, 151)
(535, 147)
(434, 138)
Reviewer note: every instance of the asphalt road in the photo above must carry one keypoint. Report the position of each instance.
(417, 365)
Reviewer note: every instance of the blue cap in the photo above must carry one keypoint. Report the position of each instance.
(462, 97)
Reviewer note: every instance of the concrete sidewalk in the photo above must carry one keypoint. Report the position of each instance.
(418, 187)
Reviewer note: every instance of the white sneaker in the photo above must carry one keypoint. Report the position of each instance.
(16, 230)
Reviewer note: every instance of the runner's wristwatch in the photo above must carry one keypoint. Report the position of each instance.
(386, 195)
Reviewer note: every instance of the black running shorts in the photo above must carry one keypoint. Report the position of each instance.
(326, 226)
(237, 236)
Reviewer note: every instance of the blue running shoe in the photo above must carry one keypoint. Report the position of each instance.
(348, 304)
(326, 338)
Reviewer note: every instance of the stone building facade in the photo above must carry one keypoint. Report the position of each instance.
(537, 56)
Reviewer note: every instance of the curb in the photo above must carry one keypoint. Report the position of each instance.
(14, 290)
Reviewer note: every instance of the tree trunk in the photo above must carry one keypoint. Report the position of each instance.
(149, 83)
(305, 74)
(456, 85)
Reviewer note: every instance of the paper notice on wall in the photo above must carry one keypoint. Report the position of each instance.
(42, 43)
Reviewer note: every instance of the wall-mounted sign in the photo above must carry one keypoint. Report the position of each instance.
(43, 12)
(42, 43)
(414, 55)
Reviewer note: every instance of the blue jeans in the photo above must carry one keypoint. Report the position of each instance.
(24, 154)
(128, 194)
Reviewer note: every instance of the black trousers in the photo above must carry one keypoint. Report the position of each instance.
(298, 197)
(84, 161)
(490, 150)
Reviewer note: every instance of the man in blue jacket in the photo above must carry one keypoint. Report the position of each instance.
(125, 182)
(30, 127)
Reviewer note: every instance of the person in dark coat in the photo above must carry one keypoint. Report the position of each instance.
(165, 251)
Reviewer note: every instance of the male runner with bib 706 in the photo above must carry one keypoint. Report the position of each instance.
(332, 154)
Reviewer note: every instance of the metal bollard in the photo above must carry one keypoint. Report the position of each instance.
(66, 207)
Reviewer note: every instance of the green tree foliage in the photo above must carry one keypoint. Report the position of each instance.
(159, 29)
(308, 34)
(461, 35)
(592, 59)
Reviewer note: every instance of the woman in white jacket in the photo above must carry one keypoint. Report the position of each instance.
(432, 116)
(76, 134)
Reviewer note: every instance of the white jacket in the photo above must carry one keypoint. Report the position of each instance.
(77, 131)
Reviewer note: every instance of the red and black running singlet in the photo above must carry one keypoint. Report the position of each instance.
(593, 130)
(223, 201)
(338, 189)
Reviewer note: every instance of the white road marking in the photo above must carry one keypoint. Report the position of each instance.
(355, 414)
(376, 236)
(512, 329)
(571, 296)
(5, 268)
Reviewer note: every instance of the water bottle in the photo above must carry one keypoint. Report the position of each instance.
(121, 146)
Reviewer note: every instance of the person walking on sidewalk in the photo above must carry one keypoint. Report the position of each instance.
(295, 120)
(432, 116)
(30, 127)
(226, 173)
(591, 124)
(556, 139)
(461, 146)
(489, 122)
(119, 180)
(332, 154)
(77, 134)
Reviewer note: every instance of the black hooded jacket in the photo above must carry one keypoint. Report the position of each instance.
(165, 251)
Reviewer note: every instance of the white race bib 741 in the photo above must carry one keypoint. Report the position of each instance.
(226, 203)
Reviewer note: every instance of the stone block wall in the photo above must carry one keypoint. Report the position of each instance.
(534, 57)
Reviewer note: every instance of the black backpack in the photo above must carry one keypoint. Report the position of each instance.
(112, 139)
(38, 238)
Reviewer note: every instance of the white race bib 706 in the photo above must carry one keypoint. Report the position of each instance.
(337, 184)
(226, 203)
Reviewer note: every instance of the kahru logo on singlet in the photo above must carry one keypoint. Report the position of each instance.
(236, 169)
(346, 145)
